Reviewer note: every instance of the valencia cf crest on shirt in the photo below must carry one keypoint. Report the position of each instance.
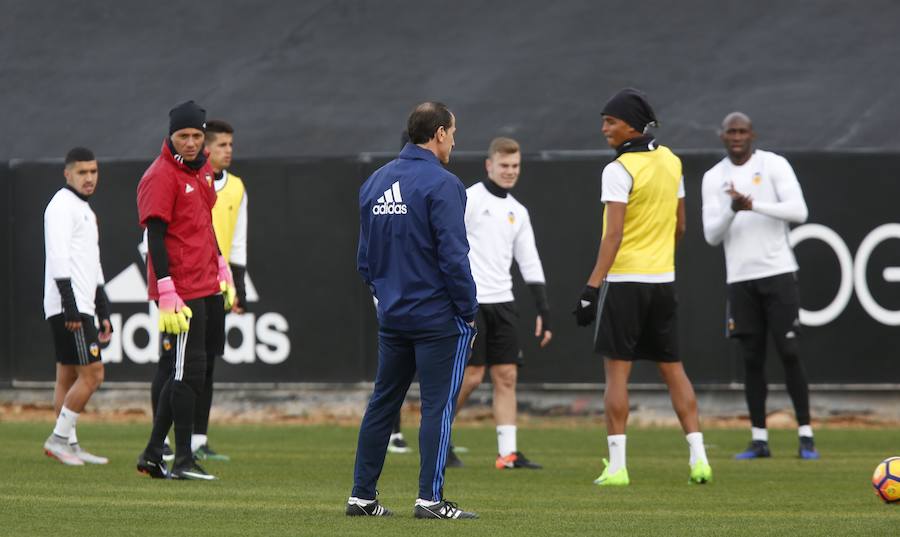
(209, 180)
(757, 178)
(511, 216)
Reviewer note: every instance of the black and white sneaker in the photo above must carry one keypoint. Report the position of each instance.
(192, 472)
(443, 509)
(155, 469)
(398, 444)
(452, 460)
(355, 507)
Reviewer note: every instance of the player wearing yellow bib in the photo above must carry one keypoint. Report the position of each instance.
(632, 286)
(229, 216)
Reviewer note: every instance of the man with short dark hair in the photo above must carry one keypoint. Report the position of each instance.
(499, 231)
(413, 255)
(188, 278)
(229, 217)
(643, 220)
(73, 295)
(749, 198)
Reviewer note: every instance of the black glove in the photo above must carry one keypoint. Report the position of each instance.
(586, 310)
(67, 297)
(541, 303)
(239, 274)
(101, 304)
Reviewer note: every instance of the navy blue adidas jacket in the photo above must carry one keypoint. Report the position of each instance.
(413, 252)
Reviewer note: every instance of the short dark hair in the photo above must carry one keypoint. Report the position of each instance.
(214, 127)
(79, 154)
(426, 119)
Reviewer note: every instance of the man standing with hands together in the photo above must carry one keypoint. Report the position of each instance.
(749, 198)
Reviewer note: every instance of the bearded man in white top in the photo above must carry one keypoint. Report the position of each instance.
(499, 231)
(73, 295)
(749, 198)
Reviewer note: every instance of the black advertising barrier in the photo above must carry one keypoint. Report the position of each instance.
(6, 283)
(312, 320)
(302, 243)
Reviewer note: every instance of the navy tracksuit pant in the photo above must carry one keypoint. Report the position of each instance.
(439, 355)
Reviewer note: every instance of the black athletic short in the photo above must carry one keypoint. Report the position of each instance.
(81, 347)
(497, 341)
(637, 321)
(772, 304)
(211, 329)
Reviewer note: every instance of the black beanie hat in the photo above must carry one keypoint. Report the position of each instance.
(631, 106)
(187, 116)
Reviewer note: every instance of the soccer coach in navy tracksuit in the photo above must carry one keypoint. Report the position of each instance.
(413, 255)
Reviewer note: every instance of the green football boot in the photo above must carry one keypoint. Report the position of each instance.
(701, 473)
(205, 453)
(618, 479)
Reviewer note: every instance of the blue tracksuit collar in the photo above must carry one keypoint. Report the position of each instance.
(414, 152)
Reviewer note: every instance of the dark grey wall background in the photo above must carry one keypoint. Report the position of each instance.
(303, 236)
(326, 77)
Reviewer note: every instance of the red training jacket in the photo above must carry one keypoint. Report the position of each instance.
(182, 198)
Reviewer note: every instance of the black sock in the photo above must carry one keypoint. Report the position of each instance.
(396, 425)
(753, 350)
(798, 389)
(204, 400)
(162, 422)
(183, 400)
(164, 372)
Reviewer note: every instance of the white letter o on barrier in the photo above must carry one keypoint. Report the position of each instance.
(845, 259)
(873, 239)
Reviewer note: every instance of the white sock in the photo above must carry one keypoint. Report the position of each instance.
(759, 434)
(358, 501)
(396, 436)
(698, 450)
(166, 441)
(65, 423)
(805, 430)
(616, 444)
(426, 503)
(73, 438)
(198, 440)
(506, 439)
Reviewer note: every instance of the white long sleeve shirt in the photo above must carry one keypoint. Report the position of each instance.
(72, 246)
(499, 231)
(756, 242)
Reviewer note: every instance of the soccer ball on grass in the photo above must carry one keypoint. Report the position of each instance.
(886, 480)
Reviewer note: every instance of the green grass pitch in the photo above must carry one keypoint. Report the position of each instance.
(294, 480)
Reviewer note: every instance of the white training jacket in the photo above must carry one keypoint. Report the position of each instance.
(72, 246)
(499, 231)
(756, 242)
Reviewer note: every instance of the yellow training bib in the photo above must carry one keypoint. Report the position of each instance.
(225, 212)
(648, 238)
